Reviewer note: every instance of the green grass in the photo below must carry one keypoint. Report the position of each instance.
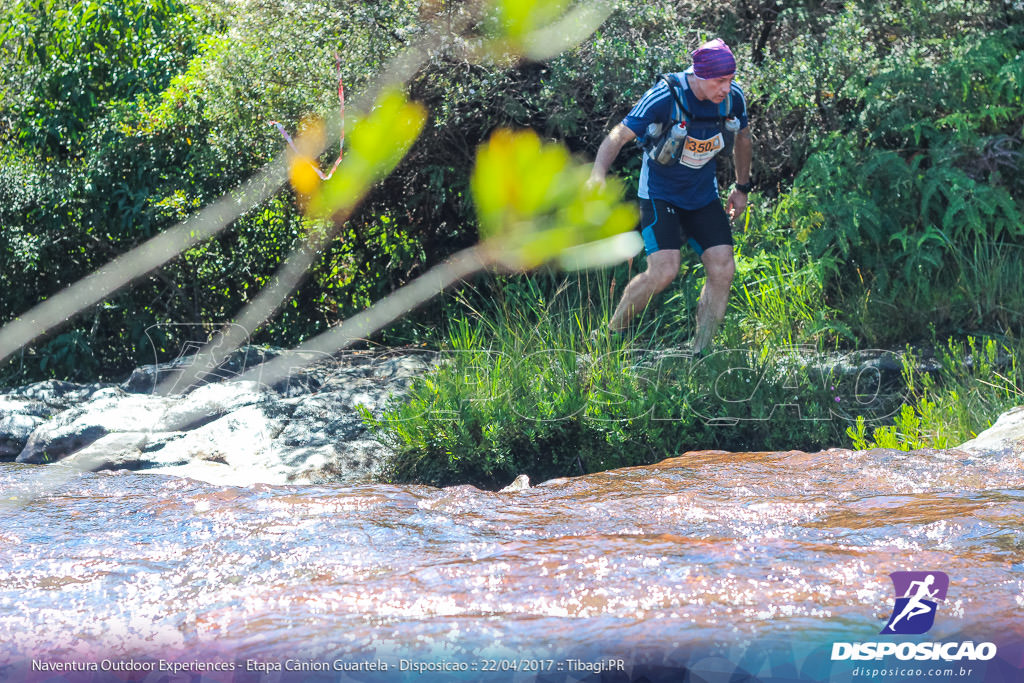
(524, 387)
(976, 380)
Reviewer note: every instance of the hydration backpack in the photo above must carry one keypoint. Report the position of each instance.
(677, 87)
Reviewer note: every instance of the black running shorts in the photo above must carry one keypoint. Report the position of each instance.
(666, 226)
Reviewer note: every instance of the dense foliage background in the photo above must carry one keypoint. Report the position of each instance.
(888, 146)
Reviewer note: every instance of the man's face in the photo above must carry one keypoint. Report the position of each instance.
(716, 89)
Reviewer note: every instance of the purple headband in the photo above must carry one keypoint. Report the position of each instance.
(713, 60)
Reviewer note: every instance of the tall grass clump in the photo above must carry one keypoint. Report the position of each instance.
(972, 382)
(527, 387)
(521, 388)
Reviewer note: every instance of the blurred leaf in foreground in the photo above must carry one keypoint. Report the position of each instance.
(541, 29)
(534, 203)
(377, 143)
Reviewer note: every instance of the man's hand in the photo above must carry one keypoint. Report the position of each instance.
(596, 179)
(737, 204)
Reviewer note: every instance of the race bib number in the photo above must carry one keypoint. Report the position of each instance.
(696, 153)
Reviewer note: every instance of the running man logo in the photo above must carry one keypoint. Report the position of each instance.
(914, 610)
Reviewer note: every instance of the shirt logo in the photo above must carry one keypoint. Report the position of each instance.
(914, 607)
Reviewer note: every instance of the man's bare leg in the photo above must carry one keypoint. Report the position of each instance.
(719, 267)
(662, 268)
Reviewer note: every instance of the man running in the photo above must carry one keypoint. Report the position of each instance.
(679, 199)
(915, 605)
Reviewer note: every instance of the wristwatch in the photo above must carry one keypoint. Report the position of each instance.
(745, 188)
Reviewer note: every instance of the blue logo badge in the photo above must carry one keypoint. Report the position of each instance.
(916, 593)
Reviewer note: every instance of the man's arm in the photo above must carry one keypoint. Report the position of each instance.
(742, 154)
(609, 150)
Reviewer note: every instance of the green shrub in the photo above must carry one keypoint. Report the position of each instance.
(907, 204)
(66, 62)
(170, 119)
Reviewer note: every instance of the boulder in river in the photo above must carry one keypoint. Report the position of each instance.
(1005, 436)
(306, 428)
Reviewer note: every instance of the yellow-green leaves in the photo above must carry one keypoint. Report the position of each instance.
(540, 29)
(534, 203)
(376, 144)
(520, 17)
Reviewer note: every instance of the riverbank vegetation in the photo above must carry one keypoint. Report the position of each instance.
(888, 215)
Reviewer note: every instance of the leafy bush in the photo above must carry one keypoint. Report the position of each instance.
(910, 201)
(65, 63)
(170, 119)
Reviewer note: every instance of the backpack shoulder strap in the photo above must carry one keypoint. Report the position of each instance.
(674, 87)
(724, 107)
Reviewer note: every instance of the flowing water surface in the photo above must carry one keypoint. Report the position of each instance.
(709, 550)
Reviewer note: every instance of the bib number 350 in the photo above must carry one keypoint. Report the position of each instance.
(696, 153)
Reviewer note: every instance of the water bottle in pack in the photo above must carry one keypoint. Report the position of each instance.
(653, 133)
(668, 150)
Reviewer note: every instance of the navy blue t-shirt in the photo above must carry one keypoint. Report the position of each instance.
(689, 185)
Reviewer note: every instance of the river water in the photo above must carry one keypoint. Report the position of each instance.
(722, 563)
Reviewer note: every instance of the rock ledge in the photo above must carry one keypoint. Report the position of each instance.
(305, 429)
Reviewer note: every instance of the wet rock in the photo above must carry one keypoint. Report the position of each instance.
(14, 433)
(521, 483)
(19, 417)
(402, 369)
(210, 402)
(352, 462)
(323, 419)
(147, 378)
(307, 428)
(57, 394)
(243, 439)
(122, 451)
(43, 446)
(1003, 437)
(108, 410)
